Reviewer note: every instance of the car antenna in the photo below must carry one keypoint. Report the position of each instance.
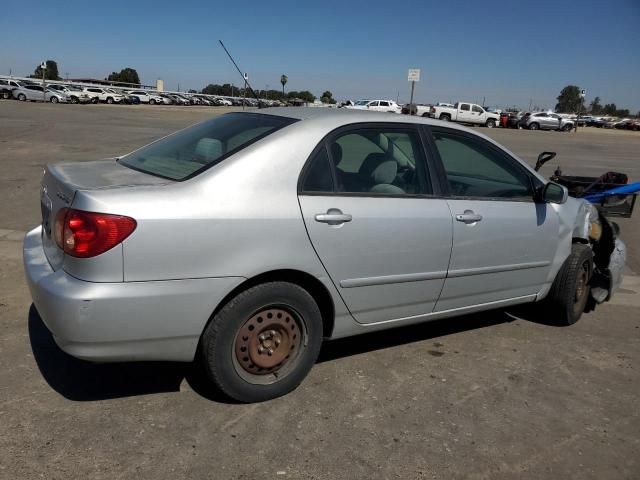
(244, 78)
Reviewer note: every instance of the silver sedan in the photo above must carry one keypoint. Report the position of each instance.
(246, 240)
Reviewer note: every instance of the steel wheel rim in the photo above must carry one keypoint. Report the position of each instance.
(268, 345)
(581, 283)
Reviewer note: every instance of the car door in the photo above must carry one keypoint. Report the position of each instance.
(464, 113)
(503, 241)
(368, 204)
(477, 114)
(34, 92)
(373, 105)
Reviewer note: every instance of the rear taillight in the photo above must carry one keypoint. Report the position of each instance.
(433, 110)
(87, 234)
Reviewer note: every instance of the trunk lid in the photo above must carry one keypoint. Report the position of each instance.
(61, 182)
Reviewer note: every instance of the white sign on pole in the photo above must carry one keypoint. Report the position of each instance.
(583, 93)
(414, 74)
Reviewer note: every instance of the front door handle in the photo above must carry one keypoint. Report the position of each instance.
(469, 216)
(334, 216)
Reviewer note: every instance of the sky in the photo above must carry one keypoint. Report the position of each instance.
(507, 53)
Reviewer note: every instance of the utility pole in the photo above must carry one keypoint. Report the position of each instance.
(43, 67)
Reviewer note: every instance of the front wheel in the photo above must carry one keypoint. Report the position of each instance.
(534, 126)
(569, 292)
(263, 342)
(95, 100)
(490, 123)
(53, 99)
(567, 128)
(109, 100)
(152, 102)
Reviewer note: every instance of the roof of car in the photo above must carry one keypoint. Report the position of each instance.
(344, 116)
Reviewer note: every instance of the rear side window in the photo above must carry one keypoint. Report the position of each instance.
(318, 176)
(192, 150)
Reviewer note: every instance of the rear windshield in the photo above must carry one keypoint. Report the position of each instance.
(188, 152)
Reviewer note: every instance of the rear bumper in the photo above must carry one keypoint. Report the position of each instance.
(126, 321)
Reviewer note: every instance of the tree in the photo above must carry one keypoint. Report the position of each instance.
(50, 73)
(327, 97)
(595, 108)
(305, 95)
(609, 109)
(191, 90)
(126, 75)
(569, 100)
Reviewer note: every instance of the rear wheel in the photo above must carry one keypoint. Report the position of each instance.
(534, 126)
(74, 99)
(95, 100)
(6, 94)
(22, 97)
(569, 293)
(445, 118)
(263, 342)
(490, 123)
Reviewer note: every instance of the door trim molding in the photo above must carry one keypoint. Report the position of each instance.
(467, 272)
(389, 279)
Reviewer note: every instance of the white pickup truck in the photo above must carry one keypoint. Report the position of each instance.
(465, 112)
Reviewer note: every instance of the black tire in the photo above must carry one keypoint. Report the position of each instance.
(109, 100)
(53, 99)
(567, 128)
(74, 100)
(445, 118)
(6, 95)
(233, 372)
(490, 123)
(534, 126)
(95, 100)
(22, 97)
(569, 294)
(152, 102)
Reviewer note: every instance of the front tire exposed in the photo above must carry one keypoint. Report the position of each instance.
(490, 123)
(569, 293)
(534, 126)
(263, 342)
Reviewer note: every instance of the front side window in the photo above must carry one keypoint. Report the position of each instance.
(379, 161)
(477, 109)
(373, 104)
(475, 169)
(192, 150)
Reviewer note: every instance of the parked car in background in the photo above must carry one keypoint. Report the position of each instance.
(75, 94)
(376, 106)
(418, 109)
(465, 112)
(513, 120)
(146, 97)
(7, 86)
(105, 95)
(35, 93)
(455, 223)
(546, 121)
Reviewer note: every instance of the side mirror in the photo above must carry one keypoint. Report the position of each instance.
(543, 158)
(554, 193)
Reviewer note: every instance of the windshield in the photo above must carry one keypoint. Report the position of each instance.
(192, 150)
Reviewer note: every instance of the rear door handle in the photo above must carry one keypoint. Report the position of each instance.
(333, 216)
(469, 216)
